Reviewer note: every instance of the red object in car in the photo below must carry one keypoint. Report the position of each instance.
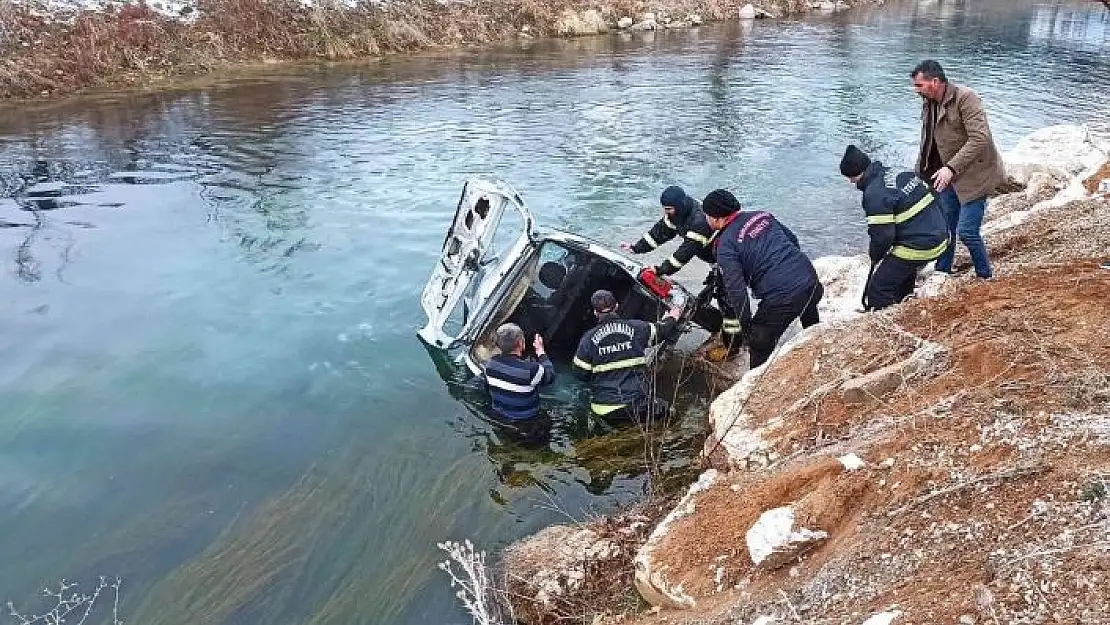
(658, 284)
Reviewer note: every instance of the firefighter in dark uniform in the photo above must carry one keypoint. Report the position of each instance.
(906, 224)
(683, 217)
(611, 358)
(754, 250)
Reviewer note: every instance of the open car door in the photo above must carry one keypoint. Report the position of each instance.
(491, 230)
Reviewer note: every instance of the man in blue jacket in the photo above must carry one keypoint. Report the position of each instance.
(755, 250)
(514, 382)
(906, 224)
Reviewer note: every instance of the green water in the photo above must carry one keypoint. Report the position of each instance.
(210, 381)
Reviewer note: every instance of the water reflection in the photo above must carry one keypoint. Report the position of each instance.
(572, 442)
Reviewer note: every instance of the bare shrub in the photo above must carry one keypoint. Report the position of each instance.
(70, 603)
(471, 579)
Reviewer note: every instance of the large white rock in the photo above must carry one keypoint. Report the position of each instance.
(843, 278)
(625, 22)
(748, 12)
(651, 575)
(773, 541)
(883, 618)
(744, 444)
(852, 462)
(1063, 151)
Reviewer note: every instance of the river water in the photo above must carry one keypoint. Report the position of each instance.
(210, 381)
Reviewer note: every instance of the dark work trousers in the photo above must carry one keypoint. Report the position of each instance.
(644, 412)
(892, 282)
(730, 321)
(771, 320)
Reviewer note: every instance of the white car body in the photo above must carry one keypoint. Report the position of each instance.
(490, 272)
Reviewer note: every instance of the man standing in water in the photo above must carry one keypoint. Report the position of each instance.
(514, 382)
(958, 157)
(611, 357)
(755, 250)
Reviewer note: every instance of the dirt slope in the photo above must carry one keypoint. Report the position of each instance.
(987, 475)
(984, 498)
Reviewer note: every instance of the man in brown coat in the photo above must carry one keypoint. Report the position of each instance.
(958, 156)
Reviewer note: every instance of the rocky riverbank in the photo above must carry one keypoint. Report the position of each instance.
(52, 48)
(945, 461)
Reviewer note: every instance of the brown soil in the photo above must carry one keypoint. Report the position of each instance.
(1091, 184)
(1013, 434)
(47, 55)
(1075, 231)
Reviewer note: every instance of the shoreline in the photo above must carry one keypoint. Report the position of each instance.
(819, 494)
(57, 51)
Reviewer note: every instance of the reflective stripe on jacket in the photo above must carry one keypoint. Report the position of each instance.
(514, 383)
(612, 358)
(904, 216)
(689, 223)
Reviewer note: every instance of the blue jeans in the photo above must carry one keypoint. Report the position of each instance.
(964, 222)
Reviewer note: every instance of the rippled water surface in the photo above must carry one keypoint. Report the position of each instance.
(210, 383)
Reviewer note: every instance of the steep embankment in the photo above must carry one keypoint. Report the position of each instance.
(55, 47)
(944, 461)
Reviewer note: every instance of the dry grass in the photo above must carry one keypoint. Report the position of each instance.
(133, 45)
(605, 588)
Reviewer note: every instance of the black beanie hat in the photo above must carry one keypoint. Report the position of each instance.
(854, 163)
(720, 203)
(673, 196)
(603, 301)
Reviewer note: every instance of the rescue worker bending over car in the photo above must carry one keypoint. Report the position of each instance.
(683, 216)
(906, 224)
(755, 250)
(611, 358)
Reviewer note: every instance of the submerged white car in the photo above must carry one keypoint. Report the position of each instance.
(496, 268)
